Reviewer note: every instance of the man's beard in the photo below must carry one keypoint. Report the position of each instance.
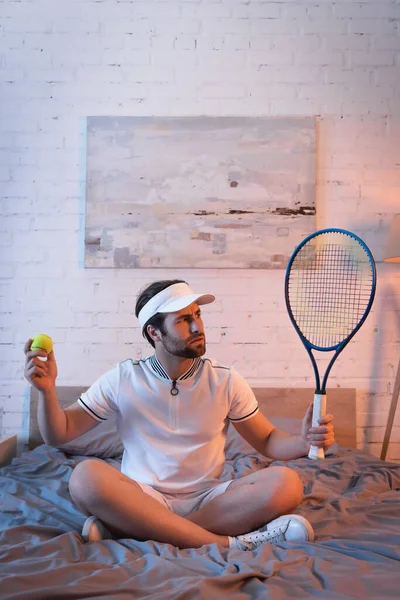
(184, 349)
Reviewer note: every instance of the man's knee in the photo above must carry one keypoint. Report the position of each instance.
(87, 480)
(288, 487)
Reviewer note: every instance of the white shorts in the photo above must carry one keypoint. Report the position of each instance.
(184, 504)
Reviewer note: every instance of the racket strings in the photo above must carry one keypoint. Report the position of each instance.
(329, 288)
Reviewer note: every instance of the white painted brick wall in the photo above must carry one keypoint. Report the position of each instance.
(60, 62)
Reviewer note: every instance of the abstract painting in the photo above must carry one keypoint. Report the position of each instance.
(198, 192)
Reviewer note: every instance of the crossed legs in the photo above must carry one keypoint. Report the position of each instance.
(119, 502)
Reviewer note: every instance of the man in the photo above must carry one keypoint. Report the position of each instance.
(173, 410)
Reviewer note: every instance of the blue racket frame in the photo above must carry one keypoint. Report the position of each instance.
(321, 389)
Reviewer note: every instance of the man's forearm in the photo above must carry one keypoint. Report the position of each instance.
(52, 419)
(284, 446)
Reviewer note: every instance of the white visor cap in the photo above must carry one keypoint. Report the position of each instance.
(173, 298)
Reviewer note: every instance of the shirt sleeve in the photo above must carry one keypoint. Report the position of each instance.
(243, 403)
(101, 399)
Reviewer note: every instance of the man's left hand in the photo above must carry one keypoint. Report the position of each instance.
(322, 436)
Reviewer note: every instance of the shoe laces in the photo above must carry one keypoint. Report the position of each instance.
(263, 536)
(266, 536)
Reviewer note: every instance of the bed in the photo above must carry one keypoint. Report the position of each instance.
(352, 499)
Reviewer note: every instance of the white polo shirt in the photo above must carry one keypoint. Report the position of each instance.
(173, 432)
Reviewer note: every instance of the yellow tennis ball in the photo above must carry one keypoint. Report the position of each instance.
(42, 342)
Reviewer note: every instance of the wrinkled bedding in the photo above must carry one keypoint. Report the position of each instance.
(352, 499)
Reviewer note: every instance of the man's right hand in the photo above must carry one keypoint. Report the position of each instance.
(42, 375)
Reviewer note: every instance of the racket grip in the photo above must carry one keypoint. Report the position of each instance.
(319, 410)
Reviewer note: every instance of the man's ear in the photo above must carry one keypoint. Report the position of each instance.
(154, 333)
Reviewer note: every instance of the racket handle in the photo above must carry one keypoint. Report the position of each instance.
(319, 410)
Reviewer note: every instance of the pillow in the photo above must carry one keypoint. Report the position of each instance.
(102, 441)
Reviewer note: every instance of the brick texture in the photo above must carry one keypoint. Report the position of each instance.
(60, 62)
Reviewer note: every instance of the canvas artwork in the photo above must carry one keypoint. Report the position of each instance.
(203, 192)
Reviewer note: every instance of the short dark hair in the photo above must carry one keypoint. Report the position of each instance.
(157, 320)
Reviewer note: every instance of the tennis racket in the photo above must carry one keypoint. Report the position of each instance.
(329, 290)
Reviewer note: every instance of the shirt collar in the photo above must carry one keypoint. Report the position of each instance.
(159, 369)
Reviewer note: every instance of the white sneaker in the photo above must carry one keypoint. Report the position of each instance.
(93, 530)
(288, 528)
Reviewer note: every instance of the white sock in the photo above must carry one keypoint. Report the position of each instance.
(235, 543)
